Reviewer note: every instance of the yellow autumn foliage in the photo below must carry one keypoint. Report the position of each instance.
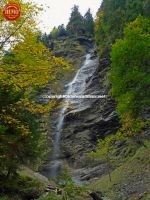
(27, 67)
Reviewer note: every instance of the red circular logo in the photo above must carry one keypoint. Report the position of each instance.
(12, 11)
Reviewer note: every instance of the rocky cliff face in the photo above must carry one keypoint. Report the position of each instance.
(96, 118)
(86, 122)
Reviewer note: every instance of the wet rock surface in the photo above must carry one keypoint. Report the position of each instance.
(86, 174)
(92, 120)
(85, 120)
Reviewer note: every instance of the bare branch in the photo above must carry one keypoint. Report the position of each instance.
(11, 34)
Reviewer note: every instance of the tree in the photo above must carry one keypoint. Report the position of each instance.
(44, 38)
(28, 67)
(147, 8)
(129, 73)
(76, 22)
(12, 32)
(89, 23)
(105, 150)
(112, 17)
(62, 31)
(54, 33)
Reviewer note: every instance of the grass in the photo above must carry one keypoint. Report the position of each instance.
(129, 176)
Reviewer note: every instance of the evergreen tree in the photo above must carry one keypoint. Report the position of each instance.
(76, 22)
(147, 8)
(62, 31)
(54, 33)
(89, 23)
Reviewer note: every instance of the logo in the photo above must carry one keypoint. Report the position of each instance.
(12, 11)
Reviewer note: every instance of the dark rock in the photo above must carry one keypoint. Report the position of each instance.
(146, 113)
(85, 174)
(96, 195)
(95, 119)
(84, 41)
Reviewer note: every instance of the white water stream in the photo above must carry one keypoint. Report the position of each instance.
(76, 87)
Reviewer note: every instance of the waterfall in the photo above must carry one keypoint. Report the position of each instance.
(76, 87)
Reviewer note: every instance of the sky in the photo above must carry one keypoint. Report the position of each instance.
(57, 12)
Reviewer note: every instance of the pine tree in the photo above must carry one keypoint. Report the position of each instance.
(62, 31)
(76, 22)
(89, 22)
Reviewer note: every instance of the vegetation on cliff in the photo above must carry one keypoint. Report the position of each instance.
(128, 44)
(122, 28)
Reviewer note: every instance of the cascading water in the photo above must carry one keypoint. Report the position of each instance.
(76, 87)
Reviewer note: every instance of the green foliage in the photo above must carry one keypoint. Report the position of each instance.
(106, 147)
(112, 17)
(131, 125)
(51, 196)
(22, 187)
(78, 26)
(130, 56)
(4, 198)
(147, 8)
(68, 190)
(62, 30)
(71, 190)
(75, 25)
(54, 33)
(89, 23)
(31, 66)
(125, 175)
(28, 67)
(130, 67)
(13, 32)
